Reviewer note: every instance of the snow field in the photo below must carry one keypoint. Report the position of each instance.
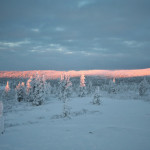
(113, 125)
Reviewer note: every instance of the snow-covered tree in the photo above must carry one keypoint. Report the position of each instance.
(48, 89)
(82, 81)
(36, 91)
(65, 90)
(111, 87)
(21, 92)
(114, 80)
(7, 88)
(65, 87)
(39, 91)
(89, 88)
(54, 90)
(28, 86)
(61, 88)
(82, 88)
(1, 118)
(143, 87)
(96, 98)
(68, 86)
(7, 92)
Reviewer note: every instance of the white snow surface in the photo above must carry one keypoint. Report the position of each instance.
(1, 118)
(114, 125)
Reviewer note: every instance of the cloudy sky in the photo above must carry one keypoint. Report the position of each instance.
(74, 34)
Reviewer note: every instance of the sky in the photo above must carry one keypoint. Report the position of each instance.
(74, 34)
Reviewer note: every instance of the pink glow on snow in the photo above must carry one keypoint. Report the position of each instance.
(52, 74)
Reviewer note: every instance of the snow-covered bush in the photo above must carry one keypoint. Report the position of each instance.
(66, 109)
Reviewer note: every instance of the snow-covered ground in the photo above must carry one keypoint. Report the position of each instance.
(114, 125)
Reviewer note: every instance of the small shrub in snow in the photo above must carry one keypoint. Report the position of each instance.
(66, 109)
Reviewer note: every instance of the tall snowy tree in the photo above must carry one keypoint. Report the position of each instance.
(111, 87)
(7, 88)
(89, 88)
(65, 90)
(82, 88)
(65, 87)
(54, 90)
(143, 87)
(82, 81)
(39, 91)
(48, 89)
(21, 92)
(28, 86)
(36, 91)
(114, 80)
(7, 92)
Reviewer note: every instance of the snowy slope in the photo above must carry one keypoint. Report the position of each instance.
(114, 125)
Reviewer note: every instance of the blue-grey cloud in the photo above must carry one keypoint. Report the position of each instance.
(68, 34)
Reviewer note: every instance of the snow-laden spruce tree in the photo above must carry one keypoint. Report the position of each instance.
(21, 92)
(65, 87)
(7, 92)
(89, 88)
(114, 80)
(48, 89)
(143, 87)
(111, 87)
(61, 88)
(7, 88)
(39, 91)
(54, 90)
(1, 118)
(30, 87)
(65, 90)
(82, 88)
(36, 90)
(96, 98)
